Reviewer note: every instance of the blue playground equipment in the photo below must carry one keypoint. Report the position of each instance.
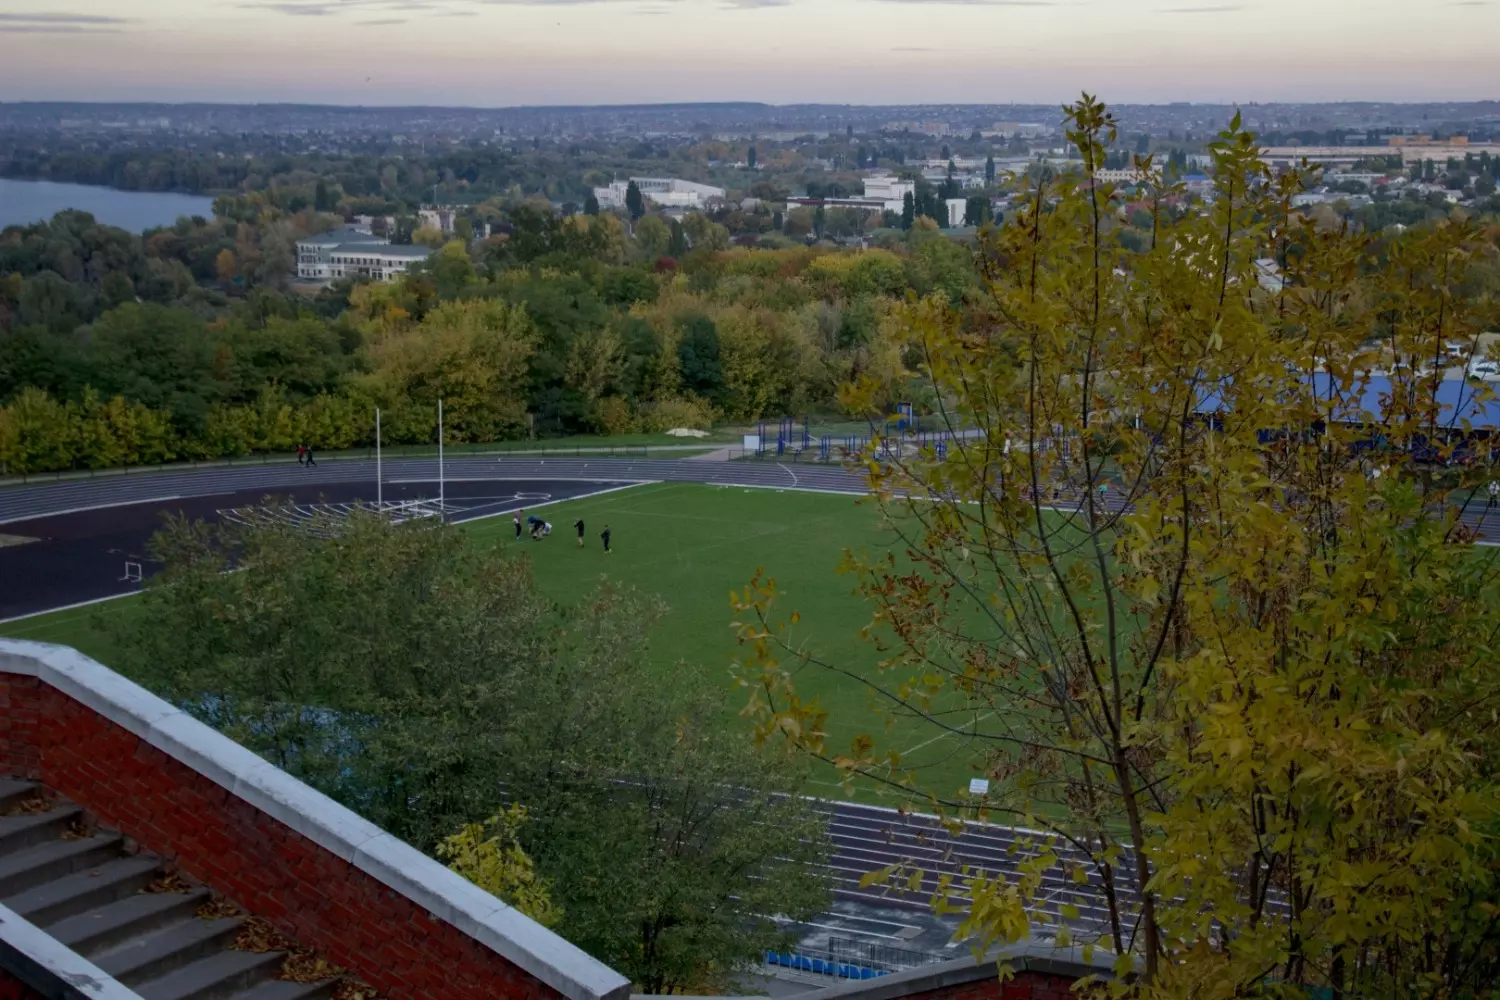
(822, 966)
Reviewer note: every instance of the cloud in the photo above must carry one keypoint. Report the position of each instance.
(54, 29)
(1223, 8)
(381, 20)
(59, 24)
(753, 4)
(981, 3)
(324, 8)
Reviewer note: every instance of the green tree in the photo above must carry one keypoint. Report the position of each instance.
(418, 678)
(653, 237)
(1245, 706)
(908, 210)
(750, 158)
(591, 205)
(634, 202)
(989, 169)
(977, 211)
(489, 854)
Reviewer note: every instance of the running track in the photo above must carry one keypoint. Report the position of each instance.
(19, 503)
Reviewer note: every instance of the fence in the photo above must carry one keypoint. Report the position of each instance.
(799, 447)
(846, 958)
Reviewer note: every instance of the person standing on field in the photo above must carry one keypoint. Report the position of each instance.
(517, 518)
(605, 536)
(579, 525)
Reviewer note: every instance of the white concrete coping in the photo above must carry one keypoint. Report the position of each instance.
(443, 893)
(51, 968)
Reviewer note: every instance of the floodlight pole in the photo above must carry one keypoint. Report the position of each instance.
(442, 510)
(379, 489)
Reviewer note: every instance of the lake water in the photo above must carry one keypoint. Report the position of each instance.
(23, 202)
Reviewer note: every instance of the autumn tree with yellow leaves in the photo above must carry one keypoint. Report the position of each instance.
(1199, 606)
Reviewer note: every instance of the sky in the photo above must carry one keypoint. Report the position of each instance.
(495, 53)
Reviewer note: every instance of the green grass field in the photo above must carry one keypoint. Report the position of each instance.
(691, 545)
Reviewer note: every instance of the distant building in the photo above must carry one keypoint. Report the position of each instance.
(352, 253)
(1127, 175)
(668, 192)
(436, 217)
(890, 191)
(1268, 275)
(1011, 130)
(956, 210)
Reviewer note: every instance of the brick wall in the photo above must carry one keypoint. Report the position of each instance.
(1022, 986)
(12, 988)
(266, 867)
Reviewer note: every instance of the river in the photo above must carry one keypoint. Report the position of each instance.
(23, 202)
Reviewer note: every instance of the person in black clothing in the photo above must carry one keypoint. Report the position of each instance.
(579, 525)
(310, 463)
(517, 519)
(605, 536)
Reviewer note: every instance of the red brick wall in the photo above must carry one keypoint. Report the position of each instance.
(1022, 986)
(12, 988)
(270, 870)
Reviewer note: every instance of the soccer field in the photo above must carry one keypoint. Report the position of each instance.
(691, 545)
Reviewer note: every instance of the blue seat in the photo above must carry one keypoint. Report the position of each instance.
(819, 966)
(846, 971)
(804, 963)
(772, 958)
(788, 960)
(867, 973)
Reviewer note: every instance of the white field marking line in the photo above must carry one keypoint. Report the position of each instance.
(534, 477)
(552, 503)
(97, 506)
(944, 735)
(789, 472)
(861, 931)
(68, 607)
(794, 489)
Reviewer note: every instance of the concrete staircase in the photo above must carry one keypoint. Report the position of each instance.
(151, 931)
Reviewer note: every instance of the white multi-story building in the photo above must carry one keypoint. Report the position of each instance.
(352, 253)
(1126, 175)
(668, 192)
(956, 209)
(890, 191)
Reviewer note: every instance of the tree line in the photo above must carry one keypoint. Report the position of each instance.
(559, 325)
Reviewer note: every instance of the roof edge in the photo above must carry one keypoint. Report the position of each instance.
(1032, 956)
(447, 895)
(50, 967)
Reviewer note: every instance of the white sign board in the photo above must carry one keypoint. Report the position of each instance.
(752, 442)
(979, 786)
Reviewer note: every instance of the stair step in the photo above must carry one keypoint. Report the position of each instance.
(281, 989)
(174, 946)
(85, 890)
(95, 930)
(13, 790)
(26, 829)
(214, 978)
(31, 866)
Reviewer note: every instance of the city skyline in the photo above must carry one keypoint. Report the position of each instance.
(494, 53)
